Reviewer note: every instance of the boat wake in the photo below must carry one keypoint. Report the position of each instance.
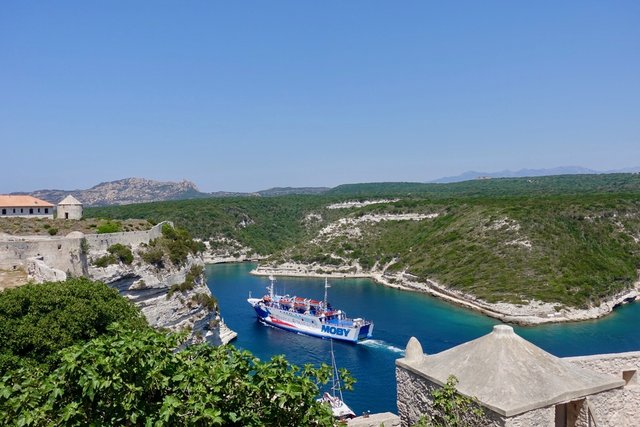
(381, 344)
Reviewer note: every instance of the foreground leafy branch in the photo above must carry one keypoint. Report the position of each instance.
(136, 377)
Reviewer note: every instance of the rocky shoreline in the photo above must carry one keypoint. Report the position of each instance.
(533, 313)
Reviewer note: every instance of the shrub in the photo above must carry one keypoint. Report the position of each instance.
(105, 261)
(84, 246)
(109, 227)
(207, 301)
(154, 256)
(121, 252)
(189, 282)
(139, 378)
(52, 231)
(37, 320)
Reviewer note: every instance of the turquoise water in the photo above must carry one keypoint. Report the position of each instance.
(397, 315)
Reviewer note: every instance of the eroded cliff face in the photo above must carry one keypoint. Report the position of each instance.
(159, 291)
(150, 288)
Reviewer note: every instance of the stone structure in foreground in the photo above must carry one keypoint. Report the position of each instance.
(519, 384)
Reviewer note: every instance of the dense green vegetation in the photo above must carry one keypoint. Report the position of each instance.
(137, 378)
(76, 353)
(498, 187)
(571, 240)
(264, 224)
(570, 250)
(174, 246)
(38, 320)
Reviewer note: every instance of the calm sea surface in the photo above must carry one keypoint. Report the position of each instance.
(397, 316)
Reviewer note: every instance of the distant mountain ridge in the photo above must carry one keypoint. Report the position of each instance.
(140, 190)
(125, 191)
(560, 170)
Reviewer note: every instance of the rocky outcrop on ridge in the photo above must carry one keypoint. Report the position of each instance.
(126, 191)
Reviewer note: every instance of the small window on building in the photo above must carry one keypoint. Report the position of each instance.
(4, 211)
(630, 377)
(46, 210)
(14, 210)
(38, 210)
(30, 210)
(21, 210)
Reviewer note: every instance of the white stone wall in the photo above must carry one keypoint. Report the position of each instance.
(57, 252)
(9, 212)
(65, 253)
(414, 401)
(617, 407)
(613, 408)
(100, 242)
(543, 417)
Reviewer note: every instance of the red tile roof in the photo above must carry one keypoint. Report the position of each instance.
(23, 202)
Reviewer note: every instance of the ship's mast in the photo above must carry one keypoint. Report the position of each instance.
(273, 279)
(326, 286)
(335, 387)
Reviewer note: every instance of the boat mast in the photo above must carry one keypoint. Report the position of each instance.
(273, 279)
(336, 376)
(326, 286)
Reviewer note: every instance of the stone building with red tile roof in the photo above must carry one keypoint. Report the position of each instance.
(25, 207)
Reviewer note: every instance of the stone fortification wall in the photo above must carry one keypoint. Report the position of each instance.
(617, 407)
(613, 364)
(414, 400)
(100, 242)
(65, 253)
(60, 253)
(612, 408)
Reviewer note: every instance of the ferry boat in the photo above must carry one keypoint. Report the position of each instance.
(308, 316)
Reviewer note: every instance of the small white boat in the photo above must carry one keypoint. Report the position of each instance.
(339, 409)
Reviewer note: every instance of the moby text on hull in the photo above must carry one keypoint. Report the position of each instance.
(310, 317)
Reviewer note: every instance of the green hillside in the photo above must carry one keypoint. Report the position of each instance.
(498, 187)
(571, 240)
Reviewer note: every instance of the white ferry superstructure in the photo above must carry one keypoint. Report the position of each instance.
(309, 317)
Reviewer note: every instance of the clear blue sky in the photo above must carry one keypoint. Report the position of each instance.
(246, 95)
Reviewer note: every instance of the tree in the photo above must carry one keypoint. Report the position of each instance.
(136, 377)
(37, 320)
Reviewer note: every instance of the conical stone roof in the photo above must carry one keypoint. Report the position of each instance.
(506, 373)
(69, 200)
